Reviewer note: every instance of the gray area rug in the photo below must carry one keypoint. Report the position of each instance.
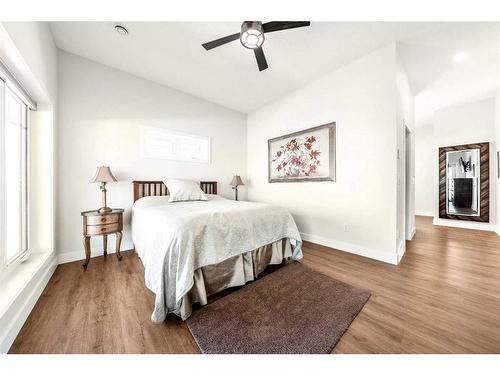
(292, 310)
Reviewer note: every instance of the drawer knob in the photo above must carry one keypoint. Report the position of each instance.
(103, 220)
(103, 229)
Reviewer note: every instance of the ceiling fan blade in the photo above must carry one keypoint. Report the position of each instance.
(269, 27)
(220, 41)
(261, 59)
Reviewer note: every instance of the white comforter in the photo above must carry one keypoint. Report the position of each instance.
(175, 239)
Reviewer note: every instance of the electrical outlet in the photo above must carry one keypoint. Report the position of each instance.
(346, 228)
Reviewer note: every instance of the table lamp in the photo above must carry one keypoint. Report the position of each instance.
(103, 175)
(235, 182)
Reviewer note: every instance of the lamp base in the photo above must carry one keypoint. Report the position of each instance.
(104, 210)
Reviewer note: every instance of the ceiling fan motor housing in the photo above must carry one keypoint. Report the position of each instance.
(252, 34)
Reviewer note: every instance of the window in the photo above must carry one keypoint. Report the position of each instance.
(163, 144)
(13, 175)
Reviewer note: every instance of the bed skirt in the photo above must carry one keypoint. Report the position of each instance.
(235, 271)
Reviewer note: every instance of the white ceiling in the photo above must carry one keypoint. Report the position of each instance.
(170, 53)
(437, 81)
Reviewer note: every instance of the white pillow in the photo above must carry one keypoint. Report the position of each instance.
(185, 190)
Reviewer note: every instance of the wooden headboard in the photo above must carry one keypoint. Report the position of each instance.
(158, 188)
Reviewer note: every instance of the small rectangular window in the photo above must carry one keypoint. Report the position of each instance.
(160, 143)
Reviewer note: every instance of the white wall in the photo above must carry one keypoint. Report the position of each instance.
(425, 169)
(357, 213)
(463, 124)
(406, 195)
(101, 114)
(34, 42)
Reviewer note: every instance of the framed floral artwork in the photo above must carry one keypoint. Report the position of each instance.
(306, 155)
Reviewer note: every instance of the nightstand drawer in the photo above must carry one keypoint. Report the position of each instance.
(103, 229)
(102, 219)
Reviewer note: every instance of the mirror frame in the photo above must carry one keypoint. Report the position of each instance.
(484, 182)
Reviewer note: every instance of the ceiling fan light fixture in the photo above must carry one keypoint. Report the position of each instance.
(252, 34)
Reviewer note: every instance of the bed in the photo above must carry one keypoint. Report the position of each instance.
(193, 249)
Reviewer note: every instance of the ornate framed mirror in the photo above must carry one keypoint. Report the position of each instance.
(464, 182)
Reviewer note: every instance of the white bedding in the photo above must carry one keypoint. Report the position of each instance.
(175, 239)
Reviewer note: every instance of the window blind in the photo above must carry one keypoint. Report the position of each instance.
(14, 85)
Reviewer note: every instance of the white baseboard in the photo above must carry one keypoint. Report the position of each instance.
(73, 256)
(383, 256)
(96, 247)
(401, 250)
(424, 213)
(21, 307)
(464, 224)
(411, 235)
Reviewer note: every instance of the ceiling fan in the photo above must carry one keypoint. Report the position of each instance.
(251, 36)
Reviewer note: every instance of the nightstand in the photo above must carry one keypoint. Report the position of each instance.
(96, 223)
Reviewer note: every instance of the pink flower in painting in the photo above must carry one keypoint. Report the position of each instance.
(295, 160)
(298, 158)
(314, 154)
(292, 145)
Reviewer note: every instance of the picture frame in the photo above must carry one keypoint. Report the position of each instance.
(304, 156)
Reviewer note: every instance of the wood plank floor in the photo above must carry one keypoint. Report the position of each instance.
(444, 297)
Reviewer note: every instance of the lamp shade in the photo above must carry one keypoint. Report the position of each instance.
(236, 181)
(103, 174)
